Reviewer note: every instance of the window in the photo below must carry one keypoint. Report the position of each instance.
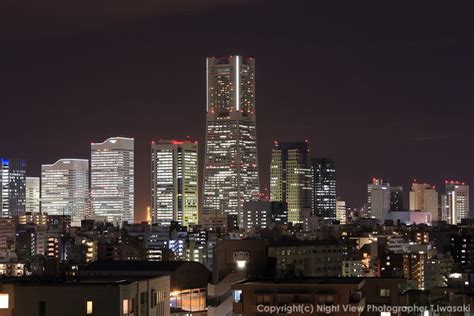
(143, 303)
(384, 292)
(132, 306)
(125, 307)
(264, 299)
(4, 301)
(89, 308)
(153, 298)
(326, 299)
(237, 295)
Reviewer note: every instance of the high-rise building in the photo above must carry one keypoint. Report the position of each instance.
(291, 178)
(231, 167)
(455, 202)
(13, 183)
(378, 199)
(32, 194)
(65, 189)
(341, 212)
(324, 187)
(424, 197)
(174, 182)
(396, 199)
(112, 179)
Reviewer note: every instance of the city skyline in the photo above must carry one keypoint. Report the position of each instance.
(377, 85)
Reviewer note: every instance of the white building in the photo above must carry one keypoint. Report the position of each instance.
(174, 182)
(112, 179)
(455, 202)
(424, 197)
(32, 194)
(65, 189)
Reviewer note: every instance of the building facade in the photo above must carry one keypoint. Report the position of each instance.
(32, 194)
(324, 187)
(112, 179)
(396, 198)
(87, 297)
(291, 178)
(341, 212)
(378, 199)
(231, 166)
(13, 186)
(455, 202)
(174, 182)
(65, 189)
(424, 197)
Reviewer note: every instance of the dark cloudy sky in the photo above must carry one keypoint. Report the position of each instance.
(384, 87)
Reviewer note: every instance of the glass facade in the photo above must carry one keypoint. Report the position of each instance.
(13, 186)
(231, 168)
(65, 189)
(112, 179)
(291, 178)
(32, 194)
(324, 187)
(174, 182)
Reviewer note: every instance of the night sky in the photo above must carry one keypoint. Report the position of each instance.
(384, 87)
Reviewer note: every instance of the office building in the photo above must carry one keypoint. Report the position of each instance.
(378, 199)
(396, 199)
(13, 184)
(65, 189)
(341, 212)
(424, 197)
(324, 187)
(291, 178)
(231, 166)
(112, 179)
(174, 182)
(32, 194)
(455, 202)
(265, 214)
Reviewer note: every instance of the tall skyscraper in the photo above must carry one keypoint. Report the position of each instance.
(424, 197)
(32, 194)
(324, 187)
(174, 182)
(396, 198)
(455, 202)
(13, 184)
(65, 189)
(231, 167)
(291, 178)
(112, 179)
(378, 199)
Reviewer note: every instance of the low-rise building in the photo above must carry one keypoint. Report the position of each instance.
(86, 297)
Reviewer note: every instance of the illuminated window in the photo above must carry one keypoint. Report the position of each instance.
(125, 307)
(89, 308)
(4, 301)
(237, 295)
(384, 292)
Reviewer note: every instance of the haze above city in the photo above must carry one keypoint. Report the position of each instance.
(385, 90)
